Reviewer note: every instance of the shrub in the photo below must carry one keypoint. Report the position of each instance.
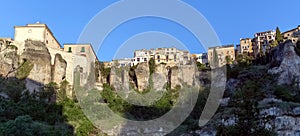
(24, 70)
(151, 66)
(283, 93)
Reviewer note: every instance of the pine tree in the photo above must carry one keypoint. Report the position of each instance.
(278, 37)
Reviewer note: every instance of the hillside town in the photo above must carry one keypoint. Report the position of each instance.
(260, 44)
(262, 71)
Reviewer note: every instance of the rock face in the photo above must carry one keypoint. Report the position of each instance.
(287, 64)
(119, 79)
(8, 61)
(59, 69)
(160, 77)
(37, 53)
(142, 74)
(184, 75)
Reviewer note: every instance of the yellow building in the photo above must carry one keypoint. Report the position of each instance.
(246, 46)
(37, 32)
(222, 53)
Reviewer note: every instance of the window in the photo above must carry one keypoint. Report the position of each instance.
(145, 59)
(82, 49)
(138, 59)
(70, 49)
(167, 58)
(46, 41)
(158, 57)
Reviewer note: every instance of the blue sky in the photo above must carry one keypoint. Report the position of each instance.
(231, 21)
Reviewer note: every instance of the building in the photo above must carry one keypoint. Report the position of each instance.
(202, 58)
(246, 46)
(261, 42)
(37, 32)
(170, 56)
(223, 52)
(80, 56)
(142, 56)
(293, 34)
(122, 62)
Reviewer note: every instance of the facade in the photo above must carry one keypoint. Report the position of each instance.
(141, 56)
(170, 56)
(261, 42)
(293, 34)
(202, 58)
(122, 62)
(222, 53)
(37, 32)
(246, 46)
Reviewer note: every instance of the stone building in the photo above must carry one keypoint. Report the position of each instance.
(261, 42)
(222, 53)
(37, 32)
(292, 34)
(75, 56)
(246, 46)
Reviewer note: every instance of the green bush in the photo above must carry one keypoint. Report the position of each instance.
(283, 93)
(151, 66)
(24, 70)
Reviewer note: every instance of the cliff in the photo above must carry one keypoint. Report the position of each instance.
(286, 64)
(163, 76)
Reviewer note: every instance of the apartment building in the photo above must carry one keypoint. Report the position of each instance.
(222, 52)
(292, 34)
(246, 46)
(261, 42)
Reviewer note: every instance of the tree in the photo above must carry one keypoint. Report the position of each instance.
(278, 37)
(228, 60)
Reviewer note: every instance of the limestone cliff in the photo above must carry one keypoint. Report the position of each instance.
(142, 74)
(141, 79)
(286, 64)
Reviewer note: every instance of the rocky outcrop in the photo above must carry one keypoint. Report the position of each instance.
(38, 55)
(8, 62)
(184, 75)
(160, 77)
(142, 74)
(287, 64)
(59, 69)
(119, 79)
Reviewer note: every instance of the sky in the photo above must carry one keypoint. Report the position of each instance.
(231, 20)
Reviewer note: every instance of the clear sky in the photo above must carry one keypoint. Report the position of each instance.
(231, 21)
